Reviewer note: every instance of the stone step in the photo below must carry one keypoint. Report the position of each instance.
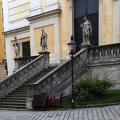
(3, 74)
(17, 95)
(14, 98)
(13, 103)
(12, 106)
(33, 80)
(19, 90)
(2, 65)
(17, 99)
(2, 79)
(22, 88)
(2, 68)
(7, 100)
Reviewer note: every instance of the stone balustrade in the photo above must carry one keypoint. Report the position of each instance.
(20, 62)
(104, 53)
(21, 75)
(60, 76)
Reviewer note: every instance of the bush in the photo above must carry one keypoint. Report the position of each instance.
(91, 88)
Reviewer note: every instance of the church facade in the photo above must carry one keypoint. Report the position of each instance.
(24, 19)
(60, 19)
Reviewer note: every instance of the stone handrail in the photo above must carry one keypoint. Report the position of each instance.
(21, 75)
(104, 53)
(59, 76)
(23, 61)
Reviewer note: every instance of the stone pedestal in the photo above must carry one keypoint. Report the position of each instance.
(85, 46)
(17, 64)
(45, 58)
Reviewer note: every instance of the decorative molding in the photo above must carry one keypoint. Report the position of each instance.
(19, 30)
(35, 11)
(45, 15)
(52, 5)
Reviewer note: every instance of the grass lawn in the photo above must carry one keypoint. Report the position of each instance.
(111, 96)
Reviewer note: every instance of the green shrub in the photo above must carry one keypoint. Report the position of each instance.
(91, 88)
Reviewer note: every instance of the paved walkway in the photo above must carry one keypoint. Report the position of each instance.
(103, 113)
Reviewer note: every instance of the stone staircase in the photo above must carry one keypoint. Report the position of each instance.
(18, 89)
(17, 98)
(3, 73)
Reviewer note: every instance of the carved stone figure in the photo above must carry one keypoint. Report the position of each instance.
(16, 45)
(43, 41)
(86, 31)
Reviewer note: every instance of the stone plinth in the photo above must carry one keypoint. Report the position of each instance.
(45, 58)
(17, 64)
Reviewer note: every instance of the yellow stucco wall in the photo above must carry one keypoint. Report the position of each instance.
(108, 22)
(50, 33)
(2, 49)
(64, 29)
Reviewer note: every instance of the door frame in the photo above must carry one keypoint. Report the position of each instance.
(100, 19)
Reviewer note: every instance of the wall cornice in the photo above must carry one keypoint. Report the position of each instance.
(45, 15)
(16, 31)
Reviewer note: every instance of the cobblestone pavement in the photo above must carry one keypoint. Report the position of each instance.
(103, 113)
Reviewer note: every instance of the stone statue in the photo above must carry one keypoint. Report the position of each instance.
(16, 45)
(86, 31)
(43, 41)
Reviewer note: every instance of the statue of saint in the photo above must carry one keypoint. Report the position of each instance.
(86, 31)
(43, 41)
(16, 45)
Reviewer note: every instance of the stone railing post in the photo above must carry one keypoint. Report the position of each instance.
(82, 47)
(17, 65)
(45, 58)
